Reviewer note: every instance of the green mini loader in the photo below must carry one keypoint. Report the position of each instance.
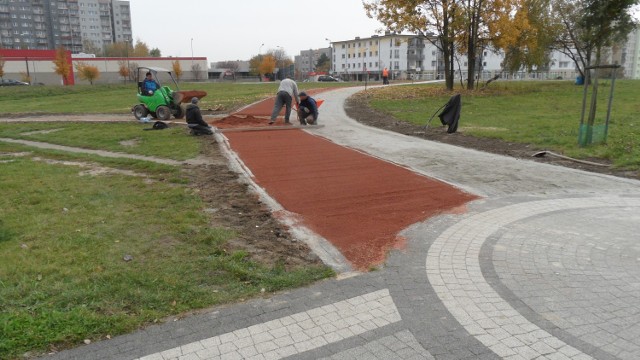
(163, 102)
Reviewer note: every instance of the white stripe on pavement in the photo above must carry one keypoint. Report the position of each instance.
(295, 333)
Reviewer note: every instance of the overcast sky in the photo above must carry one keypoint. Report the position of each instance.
(235, 29)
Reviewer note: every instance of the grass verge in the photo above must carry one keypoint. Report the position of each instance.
(118, 99)
(91, 256)
(546, 114)
(128, 138)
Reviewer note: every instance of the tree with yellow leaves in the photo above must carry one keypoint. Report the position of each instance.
(439, 17)
(62, 66)
(177, 69)
(87, 72)
(267, 64)
(123, 70)
(2, 62)
(469, 26)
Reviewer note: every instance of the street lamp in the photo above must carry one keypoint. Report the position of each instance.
(364, 68)
(279, 55)
(260, 60)
(192, 58)
(330, 56)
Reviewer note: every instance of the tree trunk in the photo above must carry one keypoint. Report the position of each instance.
(594, 101)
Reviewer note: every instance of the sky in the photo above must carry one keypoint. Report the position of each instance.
(235, 30)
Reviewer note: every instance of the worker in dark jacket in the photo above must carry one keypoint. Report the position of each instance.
(194, 119)
(308, 110)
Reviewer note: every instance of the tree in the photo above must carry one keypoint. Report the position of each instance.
(118, 49)
(140, 49)
(524, 30)
(267, 64)
(24, 77)
(126, 49)
(254, 65)
(177, 69)
(89, 47)
(155, 52)
(196, 70)
(133, 71)
(282, 61)
(87, 72)
(62, 66)
(422, 16)
(2, 62)
(323, 64)
(229, 65)
(123, 70)
(590, 25)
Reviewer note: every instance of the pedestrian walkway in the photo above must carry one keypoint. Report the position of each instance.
(544, 265)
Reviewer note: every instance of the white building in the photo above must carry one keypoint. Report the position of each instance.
(400, 54)
(414, 56)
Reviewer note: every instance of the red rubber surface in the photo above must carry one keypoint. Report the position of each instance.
(357, 202)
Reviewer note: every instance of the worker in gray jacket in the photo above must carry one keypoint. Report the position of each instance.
(287, 92)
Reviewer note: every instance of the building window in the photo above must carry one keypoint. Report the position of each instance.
(396, 54)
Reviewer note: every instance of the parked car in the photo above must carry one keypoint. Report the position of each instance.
(327, 78)
(10, 82)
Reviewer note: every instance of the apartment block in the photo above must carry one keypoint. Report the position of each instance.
(49, 24)
(305, 63)
(415, 56)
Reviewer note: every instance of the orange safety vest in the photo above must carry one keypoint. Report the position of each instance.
(385, 73)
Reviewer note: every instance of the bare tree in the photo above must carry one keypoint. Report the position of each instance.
(196, 69)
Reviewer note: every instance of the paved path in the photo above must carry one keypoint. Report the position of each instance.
(545, 265)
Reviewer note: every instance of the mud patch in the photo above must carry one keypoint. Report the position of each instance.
(93, 169)
(130, 143)
(240, 121)
(15, 154)
(40, 132)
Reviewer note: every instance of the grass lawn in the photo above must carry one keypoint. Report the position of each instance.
(129, 138)
(65, 237)
(546, 114)
(114, 99)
